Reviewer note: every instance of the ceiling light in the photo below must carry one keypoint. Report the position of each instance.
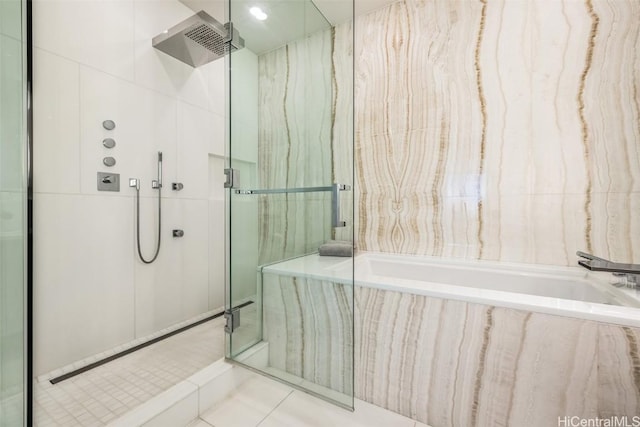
(258, 13)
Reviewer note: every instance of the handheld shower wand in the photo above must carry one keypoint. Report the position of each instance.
(155, 184)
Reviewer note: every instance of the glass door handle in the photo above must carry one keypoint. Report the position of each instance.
(335, 190)
(335, 204)
(285, 190)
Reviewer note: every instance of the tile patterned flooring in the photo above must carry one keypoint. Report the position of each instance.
(262, 402)
(101, 395)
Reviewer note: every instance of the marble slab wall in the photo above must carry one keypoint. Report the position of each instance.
(500, 130)
(296, 115)
(451, 363)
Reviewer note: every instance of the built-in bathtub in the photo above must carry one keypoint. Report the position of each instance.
(566, 291)
(452, 343)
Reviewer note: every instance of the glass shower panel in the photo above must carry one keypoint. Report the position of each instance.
(12, 213)
(291, 143)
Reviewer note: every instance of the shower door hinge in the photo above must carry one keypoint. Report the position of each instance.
(232, 317)
(232, 178)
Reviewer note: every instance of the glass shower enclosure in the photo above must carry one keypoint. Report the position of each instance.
(13, 184)
(289, 190)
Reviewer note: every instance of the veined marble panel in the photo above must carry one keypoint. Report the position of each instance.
(619, 371)
(308, 325)
(296, 119)
(342, 139)
(292, 224)
(450, 363)
(490, 101)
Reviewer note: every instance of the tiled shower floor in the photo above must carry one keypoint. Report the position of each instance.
(101, 395)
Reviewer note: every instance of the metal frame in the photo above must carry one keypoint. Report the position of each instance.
(29, 250)
(335, 190)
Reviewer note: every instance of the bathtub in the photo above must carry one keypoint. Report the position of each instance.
(565, 291)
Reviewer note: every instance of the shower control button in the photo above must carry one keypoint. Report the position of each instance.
(109, 124)
(108, 181)
(109, 142)
(109, 161)
(178, 233)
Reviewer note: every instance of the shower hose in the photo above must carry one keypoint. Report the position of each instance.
(142, 258)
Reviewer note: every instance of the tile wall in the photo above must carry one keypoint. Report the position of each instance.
(94, 61)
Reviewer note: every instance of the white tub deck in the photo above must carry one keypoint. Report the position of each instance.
(564, 291)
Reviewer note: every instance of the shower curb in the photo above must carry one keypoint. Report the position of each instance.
(181, 404)
(186, 401)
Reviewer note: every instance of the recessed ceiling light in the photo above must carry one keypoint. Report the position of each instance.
(258, 13)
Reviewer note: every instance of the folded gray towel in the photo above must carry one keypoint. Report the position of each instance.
(336, 248)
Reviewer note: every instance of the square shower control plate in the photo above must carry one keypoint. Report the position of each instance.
(108, 181)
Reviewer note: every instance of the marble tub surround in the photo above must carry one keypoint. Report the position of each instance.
(453, 363)
(498, 130)
(449, 361)
(308, 324)
(618, 371)
(562, 291)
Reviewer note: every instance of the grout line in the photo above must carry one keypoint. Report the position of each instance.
(276, 407)
(132, 196)
(174, 97)
(206, 422)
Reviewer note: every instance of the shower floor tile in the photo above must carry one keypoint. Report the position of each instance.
(98, 396)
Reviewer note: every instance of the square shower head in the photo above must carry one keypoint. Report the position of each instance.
(198, 40)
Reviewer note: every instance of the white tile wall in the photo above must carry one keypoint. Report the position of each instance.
(56, 127)
(217, 78)
(145, 124)
(216, 260)
(159, 285)
(94, 61)
(195, 258)
(154, 69)
(196, 131)
(83, 277)
(97, 33)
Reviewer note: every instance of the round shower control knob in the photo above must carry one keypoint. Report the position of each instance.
(109, 161)
(109, 124)
(109, 142)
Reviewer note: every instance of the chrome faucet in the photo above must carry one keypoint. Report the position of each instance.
(629, 273)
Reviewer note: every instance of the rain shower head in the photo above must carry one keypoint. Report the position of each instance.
(198, 40)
